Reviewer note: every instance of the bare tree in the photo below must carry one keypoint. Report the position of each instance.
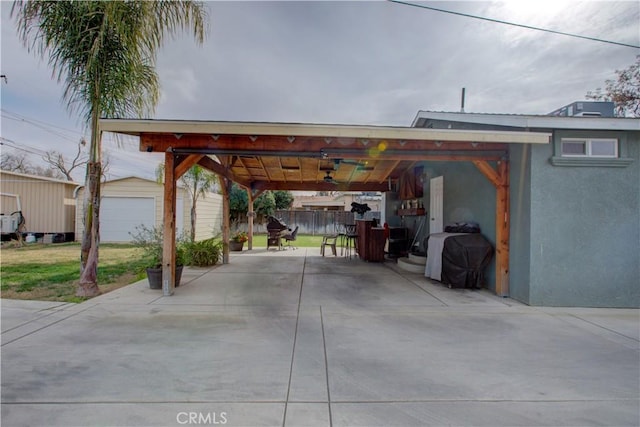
(624, 92)
(57, 162)
(21, 164)
(15, 163)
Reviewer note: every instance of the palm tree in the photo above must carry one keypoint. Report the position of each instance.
(105, 53)
(198, 181)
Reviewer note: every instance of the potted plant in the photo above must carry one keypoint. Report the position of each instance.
(237, 241)
(151, 242)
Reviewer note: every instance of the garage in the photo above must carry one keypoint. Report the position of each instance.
(130, 202)
(120, 216)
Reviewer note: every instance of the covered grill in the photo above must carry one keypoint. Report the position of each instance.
(274, 227)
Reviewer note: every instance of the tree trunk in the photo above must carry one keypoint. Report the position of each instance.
(193, 221)
(88, 285)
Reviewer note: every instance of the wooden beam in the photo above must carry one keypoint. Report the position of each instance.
(319, 186)
(238, 144)
(488, 171)
(215, 167)
(257, 193)
(169, 229)
(185, 163)
(225, 186)
(250, 215)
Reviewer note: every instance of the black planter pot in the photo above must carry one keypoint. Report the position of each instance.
(155, 277)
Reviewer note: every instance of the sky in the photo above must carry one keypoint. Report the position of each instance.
(362, 63)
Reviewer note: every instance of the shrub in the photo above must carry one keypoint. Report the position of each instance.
(240, 237)
(203, 253)
(149, 239)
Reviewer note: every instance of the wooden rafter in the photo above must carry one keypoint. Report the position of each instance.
(217, 168)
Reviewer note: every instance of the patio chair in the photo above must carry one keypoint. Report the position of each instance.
(351, 236)
(291, 237)
(331, 242)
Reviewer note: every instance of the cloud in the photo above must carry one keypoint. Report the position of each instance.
(349, 62)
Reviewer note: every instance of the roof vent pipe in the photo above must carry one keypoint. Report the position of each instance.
(462, 101)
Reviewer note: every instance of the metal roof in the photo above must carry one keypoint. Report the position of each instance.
(534, 121)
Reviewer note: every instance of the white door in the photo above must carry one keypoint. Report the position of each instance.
(119, 216)
(436, 196)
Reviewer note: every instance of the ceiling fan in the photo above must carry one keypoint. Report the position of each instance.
(334, 164)
(328, 178)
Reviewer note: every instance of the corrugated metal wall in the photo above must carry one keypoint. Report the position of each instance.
(47, 204)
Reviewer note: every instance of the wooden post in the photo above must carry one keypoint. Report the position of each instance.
(250, 215)
(169, 229)
(225, 185)
(500, 179)
(502, 229)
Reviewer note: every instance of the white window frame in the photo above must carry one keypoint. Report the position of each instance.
(588, 147)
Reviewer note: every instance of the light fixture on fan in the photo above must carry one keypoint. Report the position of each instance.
(328, 178)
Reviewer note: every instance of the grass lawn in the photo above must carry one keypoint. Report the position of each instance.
(302, 241)
(51, 272)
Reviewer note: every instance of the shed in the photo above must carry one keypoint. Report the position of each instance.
(48, 205)
(129, 202)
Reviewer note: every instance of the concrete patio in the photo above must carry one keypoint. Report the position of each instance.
(289, 338)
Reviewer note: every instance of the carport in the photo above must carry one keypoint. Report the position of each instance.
(285, 156)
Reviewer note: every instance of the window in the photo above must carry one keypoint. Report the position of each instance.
(575, 147)
(590, 148)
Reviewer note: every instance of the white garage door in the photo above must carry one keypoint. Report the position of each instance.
(121, 215)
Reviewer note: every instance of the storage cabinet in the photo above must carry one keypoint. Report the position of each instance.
(370, 241)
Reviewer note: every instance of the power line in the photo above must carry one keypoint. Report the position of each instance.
(27, 149)
(47, 127)
(13, 113)
(529, 27)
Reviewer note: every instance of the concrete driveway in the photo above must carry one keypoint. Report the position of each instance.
(293, 339)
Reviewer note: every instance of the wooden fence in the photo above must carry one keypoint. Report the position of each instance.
(313, 222)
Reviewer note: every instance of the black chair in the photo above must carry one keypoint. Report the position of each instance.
(291, 237)
(351, 236)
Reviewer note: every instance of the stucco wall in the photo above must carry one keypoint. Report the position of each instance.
(520, 222)
(585, 231)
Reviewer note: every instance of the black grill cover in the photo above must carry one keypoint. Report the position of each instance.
(464, 259)
(275, 224)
